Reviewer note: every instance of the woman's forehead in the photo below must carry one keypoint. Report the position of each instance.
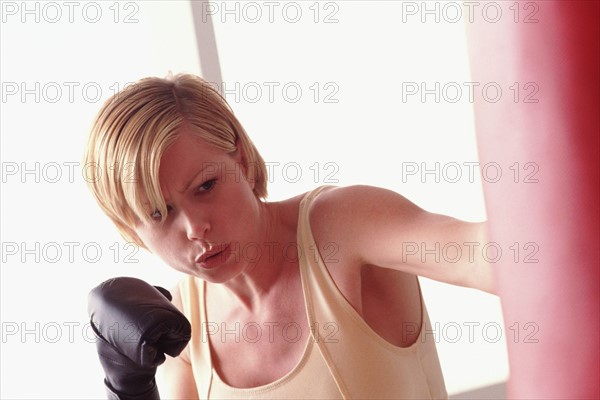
(189, 158)
(187, 152)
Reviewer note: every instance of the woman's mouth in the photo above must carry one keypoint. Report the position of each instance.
(214, 257)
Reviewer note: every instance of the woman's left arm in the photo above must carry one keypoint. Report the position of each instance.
(380, 227)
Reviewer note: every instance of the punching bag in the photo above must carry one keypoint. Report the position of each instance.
(537, 124)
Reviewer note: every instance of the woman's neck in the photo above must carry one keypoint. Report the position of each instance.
(265, 278)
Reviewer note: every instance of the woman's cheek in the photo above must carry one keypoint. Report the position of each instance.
(154, 240)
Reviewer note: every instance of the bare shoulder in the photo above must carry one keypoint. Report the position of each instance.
(342, 214)
(347, 201)
(334, 216)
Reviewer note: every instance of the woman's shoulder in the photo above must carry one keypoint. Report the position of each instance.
(332, 218)
(335, 211)
(343, 198)
(353, 217)
(336, 208)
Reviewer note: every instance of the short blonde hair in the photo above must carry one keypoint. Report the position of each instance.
(135, 127)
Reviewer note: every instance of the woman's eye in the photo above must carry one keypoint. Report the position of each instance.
(157, 216)
(206, 186)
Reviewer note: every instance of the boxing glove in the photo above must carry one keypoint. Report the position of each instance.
(135, 324)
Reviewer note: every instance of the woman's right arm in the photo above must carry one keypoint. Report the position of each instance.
(176, 380)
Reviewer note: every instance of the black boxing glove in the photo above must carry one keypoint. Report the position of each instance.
(136, 324)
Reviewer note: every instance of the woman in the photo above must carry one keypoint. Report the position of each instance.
(315, 296)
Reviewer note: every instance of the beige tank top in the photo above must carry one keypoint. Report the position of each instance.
(343, 357)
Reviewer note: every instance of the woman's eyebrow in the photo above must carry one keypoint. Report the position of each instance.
(191, 181)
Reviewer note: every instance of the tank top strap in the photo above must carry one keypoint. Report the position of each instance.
(311, 262)
(193, 298)
(319, 288)
(320, 297)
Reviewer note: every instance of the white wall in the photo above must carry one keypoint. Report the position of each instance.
(368, 135)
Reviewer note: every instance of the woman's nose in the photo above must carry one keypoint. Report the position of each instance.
(196, 226)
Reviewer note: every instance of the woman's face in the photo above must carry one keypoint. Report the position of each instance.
(210, 206)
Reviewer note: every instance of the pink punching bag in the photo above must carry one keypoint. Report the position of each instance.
(537, 120)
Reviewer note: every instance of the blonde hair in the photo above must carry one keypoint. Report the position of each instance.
(134, 128)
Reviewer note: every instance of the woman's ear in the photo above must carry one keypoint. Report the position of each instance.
(241, 162)
(237, 154)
